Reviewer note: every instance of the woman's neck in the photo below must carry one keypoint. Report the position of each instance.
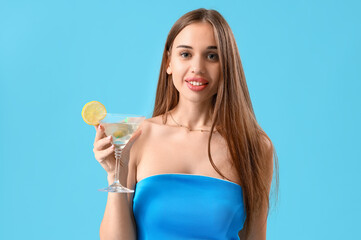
(192, 115)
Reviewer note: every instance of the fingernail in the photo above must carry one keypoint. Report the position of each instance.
(110, 137)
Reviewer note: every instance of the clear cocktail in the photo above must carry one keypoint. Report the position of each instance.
(121, 127)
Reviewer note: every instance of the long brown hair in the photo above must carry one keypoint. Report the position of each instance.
(232, 107)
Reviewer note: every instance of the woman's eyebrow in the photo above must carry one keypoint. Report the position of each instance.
(186, 46)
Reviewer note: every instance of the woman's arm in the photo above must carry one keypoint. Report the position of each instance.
(118, 221)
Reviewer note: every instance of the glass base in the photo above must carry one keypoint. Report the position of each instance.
(116, 187)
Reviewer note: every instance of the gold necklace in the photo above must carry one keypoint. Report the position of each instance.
(189, 129)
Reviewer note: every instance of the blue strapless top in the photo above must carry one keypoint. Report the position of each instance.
(185, 206)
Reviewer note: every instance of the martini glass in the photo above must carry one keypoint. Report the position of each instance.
(120, 127)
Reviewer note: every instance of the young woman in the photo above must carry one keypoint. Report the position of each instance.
(202, 166)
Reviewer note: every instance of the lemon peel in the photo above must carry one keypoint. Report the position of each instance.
(93, 112)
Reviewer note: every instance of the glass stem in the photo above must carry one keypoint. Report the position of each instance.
(118, 153)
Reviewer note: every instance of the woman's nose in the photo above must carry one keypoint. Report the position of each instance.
(197, 71)
(197, 66)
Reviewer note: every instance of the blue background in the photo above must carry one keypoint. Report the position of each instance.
(302, 64)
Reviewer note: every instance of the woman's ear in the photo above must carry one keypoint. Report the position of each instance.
(169, 69)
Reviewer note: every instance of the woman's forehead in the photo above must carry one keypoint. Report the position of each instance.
(200, 34)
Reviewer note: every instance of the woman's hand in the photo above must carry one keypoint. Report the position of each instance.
(104, 150)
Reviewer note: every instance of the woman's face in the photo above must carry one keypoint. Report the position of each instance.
(194, 62)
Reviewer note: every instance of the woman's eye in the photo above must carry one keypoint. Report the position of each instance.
(185, 54)
(213, 56)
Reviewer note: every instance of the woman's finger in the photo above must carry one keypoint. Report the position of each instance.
(99, 133)
(101, 144)
(100, 156)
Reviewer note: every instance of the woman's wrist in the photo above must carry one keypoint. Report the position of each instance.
(122, 177)
(111, 177)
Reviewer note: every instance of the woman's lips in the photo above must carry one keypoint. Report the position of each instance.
(196, 84)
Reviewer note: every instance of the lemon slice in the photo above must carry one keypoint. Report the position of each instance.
(93, 112)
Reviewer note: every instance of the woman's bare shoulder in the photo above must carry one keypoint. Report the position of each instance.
(155, 120)
(150, 133)
(150, 126)
(153, 124)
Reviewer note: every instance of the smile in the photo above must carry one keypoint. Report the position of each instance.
(194, 83)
